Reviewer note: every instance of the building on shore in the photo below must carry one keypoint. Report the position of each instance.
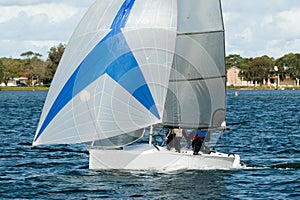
(21, 81)
(233, 79)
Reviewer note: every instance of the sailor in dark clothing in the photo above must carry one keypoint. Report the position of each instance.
(198, 140)
(174, 137)
(170, 136)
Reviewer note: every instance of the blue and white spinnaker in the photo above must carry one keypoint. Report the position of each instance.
(113, 77)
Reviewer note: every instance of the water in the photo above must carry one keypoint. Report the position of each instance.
(264, 132)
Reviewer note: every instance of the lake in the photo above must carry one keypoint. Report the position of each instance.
(264, 132)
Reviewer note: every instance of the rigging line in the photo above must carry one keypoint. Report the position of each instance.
(93, 121)
(176, 113)
(198, 79)
(166, 138)
(96, 117)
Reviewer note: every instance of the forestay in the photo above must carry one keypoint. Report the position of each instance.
(113, 77)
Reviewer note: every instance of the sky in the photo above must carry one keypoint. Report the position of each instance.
(253, 28)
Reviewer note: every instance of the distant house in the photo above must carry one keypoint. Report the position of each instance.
(21, 81)
(289, 82)
(233, 78)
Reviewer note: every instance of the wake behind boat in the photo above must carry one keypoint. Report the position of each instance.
(131, 65)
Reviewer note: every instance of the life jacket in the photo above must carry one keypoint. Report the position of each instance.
(199, 135)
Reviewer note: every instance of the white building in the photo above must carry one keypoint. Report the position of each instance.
(16, 82)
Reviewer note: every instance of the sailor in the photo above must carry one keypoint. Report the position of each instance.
(174, 137)
(198, 140)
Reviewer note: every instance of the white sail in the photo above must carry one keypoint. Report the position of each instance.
(114, 74)
(196, 96)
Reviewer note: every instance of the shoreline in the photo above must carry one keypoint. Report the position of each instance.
(16, 88)
(40, 88)
(263, 88)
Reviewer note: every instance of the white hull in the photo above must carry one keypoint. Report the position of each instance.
(147, 157)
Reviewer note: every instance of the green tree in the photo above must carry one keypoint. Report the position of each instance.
(1, 71)
(261, 67)
(257, 69)
(54, 57)
(10, 68)
(234, 60)
(30, 54)
(246, 72)
(289, 65)
(33, 67)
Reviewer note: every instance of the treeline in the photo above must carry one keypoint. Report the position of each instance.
(31, 65)
(259, 69)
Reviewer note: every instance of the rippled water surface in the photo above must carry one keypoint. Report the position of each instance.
(264, 132)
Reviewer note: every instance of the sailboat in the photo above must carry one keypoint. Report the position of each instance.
(138, 67)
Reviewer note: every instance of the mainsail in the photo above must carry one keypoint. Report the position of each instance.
(113, 77)
(196, 95)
